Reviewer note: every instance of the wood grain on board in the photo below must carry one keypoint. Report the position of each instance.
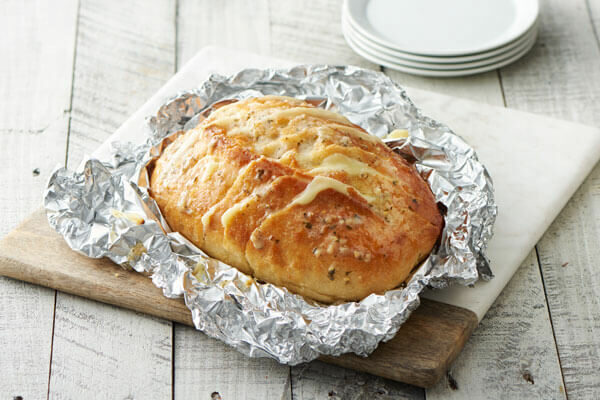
(419, 354)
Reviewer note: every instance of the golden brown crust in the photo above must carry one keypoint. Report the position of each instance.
(299, 197)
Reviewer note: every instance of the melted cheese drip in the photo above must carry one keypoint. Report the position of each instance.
(210, 168)
(231, 212)
(341, 162)
(208, 216)
(320, 183)
(188, 143)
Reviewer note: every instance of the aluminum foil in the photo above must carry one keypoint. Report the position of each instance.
(104, 210)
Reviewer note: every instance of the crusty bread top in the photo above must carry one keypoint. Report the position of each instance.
(299, 197)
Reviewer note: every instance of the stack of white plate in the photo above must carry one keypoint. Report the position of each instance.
(441, 37)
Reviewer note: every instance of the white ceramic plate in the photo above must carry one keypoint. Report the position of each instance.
(347, 25)
(437, 73)
(360, 42)
(442, 27)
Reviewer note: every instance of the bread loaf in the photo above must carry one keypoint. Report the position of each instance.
(299, 197)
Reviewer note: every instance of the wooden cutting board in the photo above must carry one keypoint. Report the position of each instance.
(419, 354)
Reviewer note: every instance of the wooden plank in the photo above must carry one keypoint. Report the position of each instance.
(311, 32)
(25, 339)
(419, 354)
(317, 380)
(511, 354)
(561, 77)
(237, 24)
(125, 52)
(36, 43)
(105, 352)
(594, 14)
(484, 88)
(569, 256)
(203, 365)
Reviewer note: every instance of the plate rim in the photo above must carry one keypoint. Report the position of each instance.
(442, 73)
(372, 36)
(442, 66)
(532, 31)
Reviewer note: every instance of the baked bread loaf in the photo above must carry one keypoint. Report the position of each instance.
(299, 197)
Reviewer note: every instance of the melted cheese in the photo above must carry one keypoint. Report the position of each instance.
(341, 162)
(186, 145)
(291, 113)
(135, 218)
(208, 216)
(397, 134)
(210, 168)
(233, 210)
(327, 115)
(320, 183)
(182, 203)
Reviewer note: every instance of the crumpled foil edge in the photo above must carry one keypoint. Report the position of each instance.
(105, 210)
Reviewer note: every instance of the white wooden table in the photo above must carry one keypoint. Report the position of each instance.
(71, 72)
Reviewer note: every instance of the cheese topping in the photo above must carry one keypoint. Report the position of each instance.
(236, 121)
(341, 162)
(397, 134)
(328, 115)
(291, 113)
(208, 216)
(233, 210)
(320, 183)
(210, 168)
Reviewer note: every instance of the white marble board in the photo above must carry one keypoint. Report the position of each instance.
(536, 162)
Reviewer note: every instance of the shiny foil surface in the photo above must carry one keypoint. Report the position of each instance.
(105, 210)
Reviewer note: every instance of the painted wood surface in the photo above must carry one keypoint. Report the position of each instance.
(106, 352)
(234, 23)
(317, 380)
(204, 366)
(510, 355)
(124, 53)
(559, 78)
(36, 42)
